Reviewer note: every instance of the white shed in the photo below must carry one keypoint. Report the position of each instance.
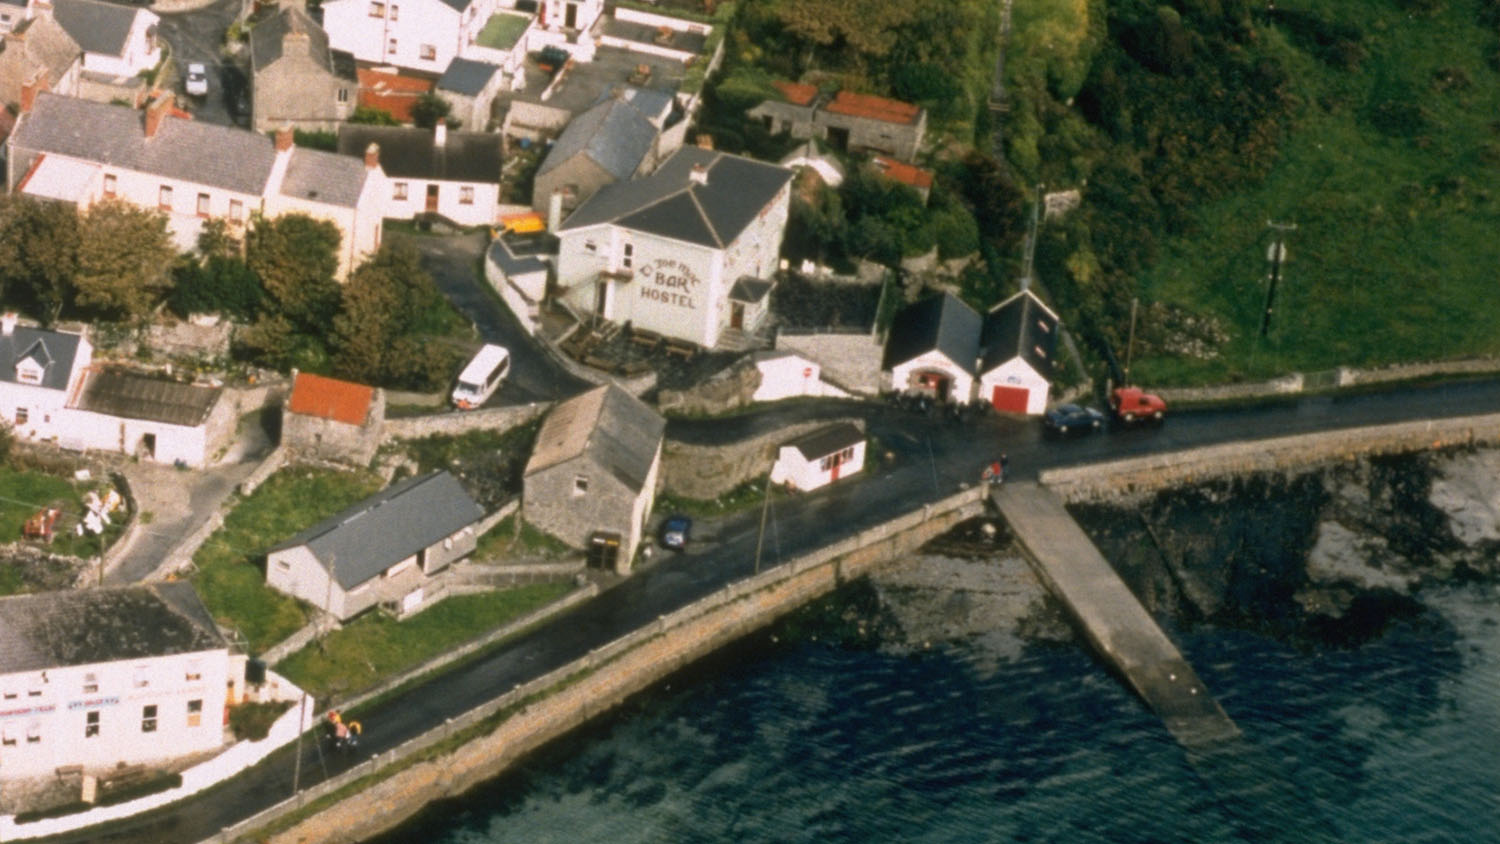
(1017, 347)
(785, 375)
(821, 457)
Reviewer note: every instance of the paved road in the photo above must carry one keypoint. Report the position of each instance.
(930, 459)
(534, 375)
(195, 36)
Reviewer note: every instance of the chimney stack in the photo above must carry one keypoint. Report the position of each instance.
(8, 323)
(157, 111)
(31, 88)
(440, 134)
(372, 156)
(283, 138)
(554, 210)
(699, 175)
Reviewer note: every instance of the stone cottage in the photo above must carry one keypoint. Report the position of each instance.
(297, 79)
(328, 419)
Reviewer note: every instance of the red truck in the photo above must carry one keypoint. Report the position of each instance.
(1131, 403)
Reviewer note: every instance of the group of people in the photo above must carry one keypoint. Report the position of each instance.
(345, 733)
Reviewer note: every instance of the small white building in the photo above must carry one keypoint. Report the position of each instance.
(455, 175)
(1017, 346)
(149, 417)
(784, 375)
(118, 41)
(932, 349)
(39, 370)
(99, 678)
(820, 458)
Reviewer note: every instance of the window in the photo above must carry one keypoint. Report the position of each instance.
(391, 48)
(109, 184)
(34, 732)
(164, 198)
(400, 188)
(580, 485)
(377, 10)
(29, 373)
(465, 195)
(202, 205)
(194, 671)
(142, 677)
(195, 713)
(22, 414)
(429, 52)
(90, 683)
(343, 95)
(590, 246)
(10, 695)
(34, 693)
(91, 725)
(395, 12)
(286, 565)
(10, 734)
(236, 210)
(628, 256)
(148, 718)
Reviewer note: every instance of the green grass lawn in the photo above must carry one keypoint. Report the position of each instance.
(747, 495)
(230, 574)
(24, 493)
(502, 31)
(502, 541)
(1395, 252)
(374, 646)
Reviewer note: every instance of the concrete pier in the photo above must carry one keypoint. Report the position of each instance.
(1115, 622)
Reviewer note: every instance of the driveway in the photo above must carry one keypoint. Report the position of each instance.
(453, 263)
(197, 35)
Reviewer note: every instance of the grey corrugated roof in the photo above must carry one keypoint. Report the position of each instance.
(466, 76)
(388, 527)
(942, 323)
(669, 203)
(750, 290)
(84, 626)
(1020, 326)
(97, 27)
(324, 177)
(613, 429)
(614, 134)
(114, 135)
(407, 153)
(136, 396)
(825, 441)
(60, 347)
(268, 38)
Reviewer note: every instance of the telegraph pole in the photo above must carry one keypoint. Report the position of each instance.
(1276, 254)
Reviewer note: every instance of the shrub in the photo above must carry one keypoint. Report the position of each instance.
(252, 721)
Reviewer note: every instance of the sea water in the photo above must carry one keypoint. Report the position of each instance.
(795, 737)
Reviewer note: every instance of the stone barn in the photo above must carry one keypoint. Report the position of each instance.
(328, 419)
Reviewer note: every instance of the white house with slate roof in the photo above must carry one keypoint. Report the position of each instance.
(106, 677)
(433, 171)
(383, 550)
(40, 369)
(421, 35)
(1017, 345)
(148, 417)
(84, 152)
(665, 252)
(469, 88)
(933, 348)
(117, 41)
(820, 457)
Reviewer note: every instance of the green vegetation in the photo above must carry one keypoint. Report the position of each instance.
(252, 721)
(502, 30)
(489, 463)
(747, 495)
(375, 646)
(26, 492)
(230, 575)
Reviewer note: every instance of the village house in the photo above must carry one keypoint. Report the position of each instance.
(470, 87)
(92, 679)
(118, 41)
(1017, 347)
(668, 252)
(83, 152)
(614, 141)
(40, 369)
(12, 14)
(847, 121)
(38, 55)
(328, 419)
(593, 474)
(383, 551)
(149, 417)
(455, 175)
(820, 457)
(933, 348)
(297, 80)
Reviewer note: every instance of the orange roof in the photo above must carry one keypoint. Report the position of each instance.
(873, 107)
(906, 174)
(330, 398)
(391, 92)
(796, 93)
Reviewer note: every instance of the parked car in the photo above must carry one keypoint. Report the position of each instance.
(675, 532)
(197, 80)
(1132, 403)
(1070, 418)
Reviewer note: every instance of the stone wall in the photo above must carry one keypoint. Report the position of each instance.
(729, 390)
(850, 361)
(1137, 477)
(1329, 379)
(706, 472)
(458, 422)
(318, 438)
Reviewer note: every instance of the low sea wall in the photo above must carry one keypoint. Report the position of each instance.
(569, 696)
(1137, 477)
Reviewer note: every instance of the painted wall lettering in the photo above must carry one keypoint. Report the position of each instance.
(670, 282)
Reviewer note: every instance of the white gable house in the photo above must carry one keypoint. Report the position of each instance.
(1017, 346)
(117, 40)
(932, 349)
(39, 370)
(820, 458)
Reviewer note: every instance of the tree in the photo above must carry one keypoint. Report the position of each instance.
(373, 116)
(124, 260)
(223, 284)
(217, 240)
(429, 109)
(38, 254)
(296, 257)
(375, 334)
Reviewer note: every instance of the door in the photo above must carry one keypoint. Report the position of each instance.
(838, 138)
(570, 16)
(148, 446)
(432, 198)
(601, 292)
(604, 550)
(1010, 399)
(736, 315)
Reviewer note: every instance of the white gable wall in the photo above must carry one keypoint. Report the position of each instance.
(426, 33)
(406, 198)
(140, 52)
(794, 469)
(1016, 372)
(45, 409)
(86, 429)
(962, 388)
(792, 375)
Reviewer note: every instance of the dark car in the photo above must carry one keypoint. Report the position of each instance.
(675, 532)
(1067, 418)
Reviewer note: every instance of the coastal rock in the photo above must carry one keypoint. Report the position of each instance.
(935, 598)
(1467, 489)
(1339, 555)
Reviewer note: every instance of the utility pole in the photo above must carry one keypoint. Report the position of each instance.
(1276, 254)
(765, 507)
(1135, 303)
(1031, 232)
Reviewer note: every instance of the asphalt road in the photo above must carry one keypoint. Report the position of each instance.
(930, 458)
(196, 36)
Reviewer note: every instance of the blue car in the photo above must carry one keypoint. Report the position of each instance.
(1071, 418)
(675, 532)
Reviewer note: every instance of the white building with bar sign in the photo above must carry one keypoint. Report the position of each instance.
(672, 252)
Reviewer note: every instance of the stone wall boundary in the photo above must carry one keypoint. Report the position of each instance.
(1134, 478)
(1338, 378)
(269, 466)
(462, 421)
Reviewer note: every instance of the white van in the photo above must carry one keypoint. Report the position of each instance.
(481, 377)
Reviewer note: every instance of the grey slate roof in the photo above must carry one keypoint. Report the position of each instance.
(114, 135)
(750, 290)
(611, 428)
(388, 527)
(466, 76)
(825, 441)
(1020, 326)
(412, 154)
(512, 264)
(268, 41)
(47, 44)
(84, 626)
(324, 177)
(942, 323)
(97, 27)
(614, 134)
(59, 347)
(669, 203)
(135, 396)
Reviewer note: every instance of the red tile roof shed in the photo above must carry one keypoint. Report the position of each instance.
(907, 174)
(330, 398)
(796, 93)
(873, 107)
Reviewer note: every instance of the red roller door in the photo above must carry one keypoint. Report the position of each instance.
(1010, 399)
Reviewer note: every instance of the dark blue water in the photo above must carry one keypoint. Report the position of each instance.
(1396, 740)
